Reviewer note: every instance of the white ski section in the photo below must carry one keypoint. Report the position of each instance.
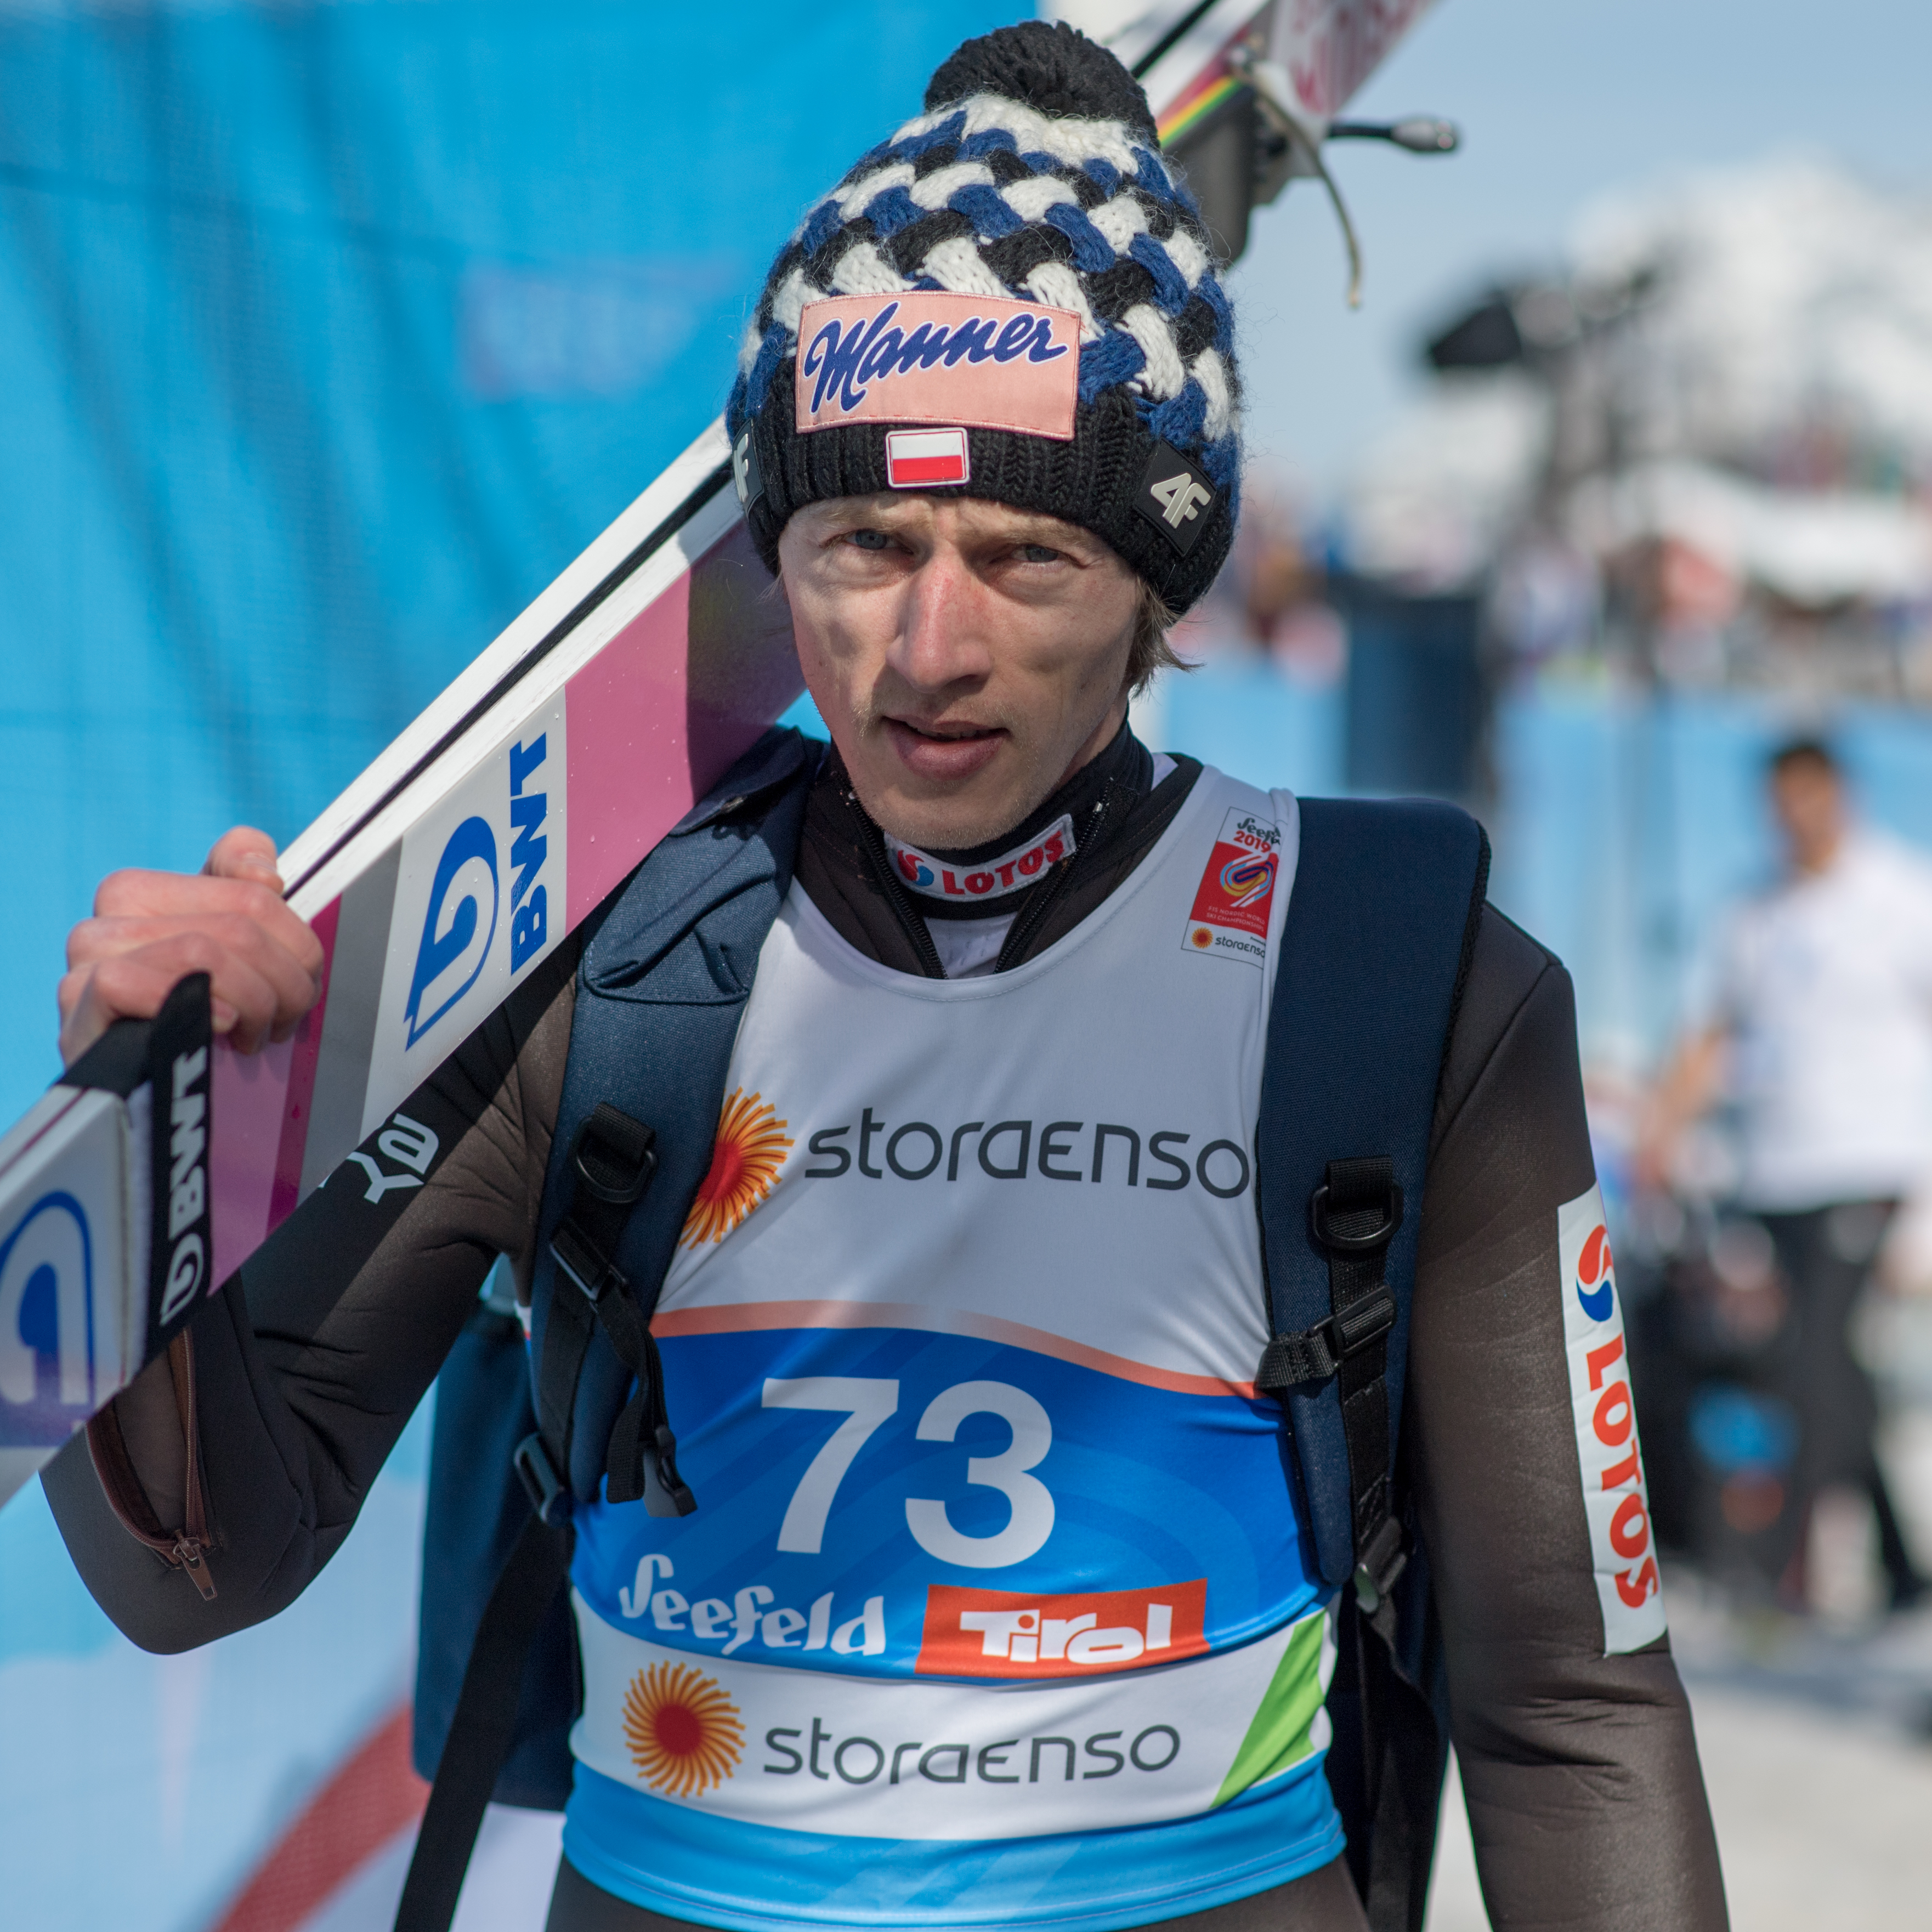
(1128, 28)
(579, 579)
(1206, 40)
(523, 701)
(74, 1255)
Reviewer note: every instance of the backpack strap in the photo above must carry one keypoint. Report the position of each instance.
(667, 968)
(1381, 922)
(611, 1160)
(663, 984)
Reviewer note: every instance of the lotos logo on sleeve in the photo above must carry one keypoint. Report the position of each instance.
(1235, 898)
(1623, 1551)
(996, 1633)
(974, 361)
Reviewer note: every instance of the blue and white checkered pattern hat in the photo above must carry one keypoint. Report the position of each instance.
(1034, 175)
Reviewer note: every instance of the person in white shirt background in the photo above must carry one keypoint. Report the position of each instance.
(1815, 1023)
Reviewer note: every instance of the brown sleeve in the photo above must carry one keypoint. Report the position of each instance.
(309, 1363)
(1580, 1771)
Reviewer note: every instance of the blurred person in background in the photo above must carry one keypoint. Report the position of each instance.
(1816, 1025)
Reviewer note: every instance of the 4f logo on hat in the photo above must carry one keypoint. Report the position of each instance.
(1175, 497)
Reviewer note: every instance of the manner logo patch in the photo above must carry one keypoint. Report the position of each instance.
(1235, 898)
(932, 357)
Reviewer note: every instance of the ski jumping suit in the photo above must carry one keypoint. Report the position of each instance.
(997, 1609)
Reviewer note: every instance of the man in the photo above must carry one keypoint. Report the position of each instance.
(905, 1362)
(1818, 1013)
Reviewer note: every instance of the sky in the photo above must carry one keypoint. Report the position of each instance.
(1559, 102)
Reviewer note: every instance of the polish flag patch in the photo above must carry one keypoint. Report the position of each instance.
(924, 459)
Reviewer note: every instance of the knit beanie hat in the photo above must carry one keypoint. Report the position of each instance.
(1012, 298)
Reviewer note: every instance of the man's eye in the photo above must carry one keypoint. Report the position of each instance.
(868, 540)
(1038, 553)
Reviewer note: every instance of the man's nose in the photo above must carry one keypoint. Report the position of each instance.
(940, 638)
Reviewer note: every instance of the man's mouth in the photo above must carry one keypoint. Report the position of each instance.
(948, 750)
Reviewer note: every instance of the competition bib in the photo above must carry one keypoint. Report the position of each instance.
(996, 1545)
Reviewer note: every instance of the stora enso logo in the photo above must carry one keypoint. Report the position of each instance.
(457, 933)
(46, 1303)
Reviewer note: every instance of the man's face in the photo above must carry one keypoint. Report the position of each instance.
(966, 657)
(1810, 802)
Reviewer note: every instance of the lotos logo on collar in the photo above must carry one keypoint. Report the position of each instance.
(1011, 872)
(975, 360)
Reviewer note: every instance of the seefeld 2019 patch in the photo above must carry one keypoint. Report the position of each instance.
(1236, 895)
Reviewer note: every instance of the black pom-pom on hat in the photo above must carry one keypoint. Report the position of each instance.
(1053, 68)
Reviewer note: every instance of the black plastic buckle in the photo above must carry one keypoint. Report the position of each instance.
(607, 1170)
(580, 1258)
(548, 1497)
(1358, 1328)
(1355, 1244)
(670, 1485)
(1383, 1560)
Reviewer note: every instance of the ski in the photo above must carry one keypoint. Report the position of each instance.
(465, 854)
(446, 874)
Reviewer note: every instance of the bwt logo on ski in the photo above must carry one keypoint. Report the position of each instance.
(465, 908)
(46, 1306)
(529, 908)
(996, 1633)
(187, 1183)
(451, 955)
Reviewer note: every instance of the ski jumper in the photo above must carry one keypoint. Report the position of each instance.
(307, 1370)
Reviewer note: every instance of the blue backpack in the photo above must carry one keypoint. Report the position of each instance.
(1380, 922)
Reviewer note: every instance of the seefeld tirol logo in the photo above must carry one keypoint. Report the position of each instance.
(477, 881)
(1610, 1462)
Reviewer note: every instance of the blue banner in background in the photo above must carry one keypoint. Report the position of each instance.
(330, 334)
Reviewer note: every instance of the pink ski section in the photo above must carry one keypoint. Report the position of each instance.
(260, 1104)
(307, 1045)
(644, 747)
(743, 1317)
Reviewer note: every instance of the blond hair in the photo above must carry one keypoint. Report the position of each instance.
(1151, 652)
